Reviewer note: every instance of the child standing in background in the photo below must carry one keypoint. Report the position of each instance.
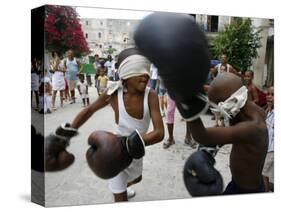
(252, 91)
(45, 92)
(83, 89)
(102, 81)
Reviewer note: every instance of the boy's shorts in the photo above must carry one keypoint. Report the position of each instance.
(268, 168)
(118, 184)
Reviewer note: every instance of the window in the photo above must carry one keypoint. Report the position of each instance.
(212, 23)
(99, 34)
(101, 23)
(86, 35)
(87, 23)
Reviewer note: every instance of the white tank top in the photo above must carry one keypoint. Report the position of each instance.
(127, 124)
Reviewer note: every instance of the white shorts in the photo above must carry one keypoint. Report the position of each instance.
(118, 184)
(268, 168)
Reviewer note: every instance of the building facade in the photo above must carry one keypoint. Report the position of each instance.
(117, 34)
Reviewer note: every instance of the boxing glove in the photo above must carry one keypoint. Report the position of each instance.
(200, 176)
(57, 157)
(175, 44)
(110, 154)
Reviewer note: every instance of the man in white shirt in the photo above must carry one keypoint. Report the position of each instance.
(109, 64)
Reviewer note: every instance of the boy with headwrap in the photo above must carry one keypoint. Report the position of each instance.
(134, 105)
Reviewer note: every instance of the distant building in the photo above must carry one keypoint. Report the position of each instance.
(117, 34)
(102, 34)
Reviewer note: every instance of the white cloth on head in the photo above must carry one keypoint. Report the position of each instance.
(232, 105)
(132, 66)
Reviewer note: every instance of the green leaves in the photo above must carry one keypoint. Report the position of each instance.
(240, 41)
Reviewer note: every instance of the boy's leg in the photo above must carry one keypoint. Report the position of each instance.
(88, 101)
(121, 197)
(170, 122)
(84, 102)
(188, 137)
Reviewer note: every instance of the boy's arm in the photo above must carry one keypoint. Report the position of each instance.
(157, 134)
(78, 87)
(86, 113)
(240, 133)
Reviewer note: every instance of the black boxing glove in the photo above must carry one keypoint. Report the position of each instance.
(110, 154)
(134, 145)
(200, 176)
(177, 46)
(191, 108)
(60, 139)
(57, 158)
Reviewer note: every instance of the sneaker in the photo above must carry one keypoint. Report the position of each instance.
(130, 193)
(49, 111)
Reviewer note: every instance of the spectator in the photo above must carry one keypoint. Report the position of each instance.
(82, 87)
(268, 169)
(35, 82)
(109, 65)
(252, 91)
(154, 76)
(73, 67)
(58, 81)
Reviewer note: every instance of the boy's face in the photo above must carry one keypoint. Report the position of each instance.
(139, 82)
(81, 77)
(248, 77)
(102, 72)
(270, 97)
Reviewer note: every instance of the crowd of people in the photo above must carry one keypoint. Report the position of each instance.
(64, 76)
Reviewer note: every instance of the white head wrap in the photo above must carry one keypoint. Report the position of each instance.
(132, 66)
(232, 105)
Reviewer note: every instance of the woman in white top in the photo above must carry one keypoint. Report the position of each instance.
(134, 106)
(58, 82)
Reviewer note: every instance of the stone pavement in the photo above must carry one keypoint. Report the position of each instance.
(162, 173)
